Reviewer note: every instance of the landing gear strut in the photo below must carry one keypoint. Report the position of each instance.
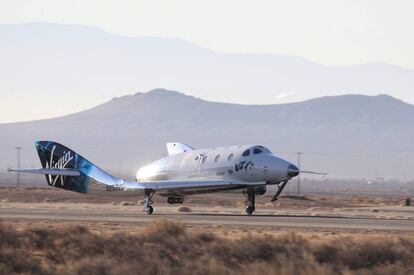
(280, 187)
(148, 201)
(250, 200)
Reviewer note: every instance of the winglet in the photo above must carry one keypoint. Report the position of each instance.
(174, 148)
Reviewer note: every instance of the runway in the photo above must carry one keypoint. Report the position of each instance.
(257, 220)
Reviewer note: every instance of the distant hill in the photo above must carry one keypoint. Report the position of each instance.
(348, 136)
(76, 65)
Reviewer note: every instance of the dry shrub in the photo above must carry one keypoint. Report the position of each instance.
(366, 254)
(165, 227)
(168, 248)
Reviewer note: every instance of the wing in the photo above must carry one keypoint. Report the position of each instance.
(193, 187)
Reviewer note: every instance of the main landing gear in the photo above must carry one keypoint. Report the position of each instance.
(148, 201)
(250, 200)
(175, 199)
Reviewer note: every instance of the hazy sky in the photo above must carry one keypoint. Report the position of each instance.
(342, 32)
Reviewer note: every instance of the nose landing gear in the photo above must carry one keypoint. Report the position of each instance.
(250, 200)
(280, 187)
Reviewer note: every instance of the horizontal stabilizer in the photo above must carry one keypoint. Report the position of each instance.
(44, 171)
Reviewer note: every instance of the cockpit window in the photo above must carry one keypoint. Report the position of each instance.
(257, 151)
(246, 153)
(264, 149)
(230, 157)
(217, 158)
(203, 160)
(197, 158)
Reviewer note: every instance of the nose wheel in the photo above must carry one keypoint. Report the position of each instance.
(250, 201)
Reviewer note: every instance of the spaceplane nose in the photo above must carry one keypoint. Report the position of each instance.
(292, 171)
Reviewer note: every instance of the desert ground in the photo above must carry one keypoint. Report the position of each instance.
(221, 212)
(326, 234)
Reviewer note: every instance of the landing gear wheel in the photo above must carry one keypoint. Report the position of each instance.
(150, 209)
(249, 210)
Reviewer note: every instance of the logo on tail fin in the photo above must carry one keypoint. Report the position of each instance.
(59, 164)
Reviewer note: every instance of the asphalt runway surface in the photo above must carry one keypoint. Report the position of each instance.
(256, 220)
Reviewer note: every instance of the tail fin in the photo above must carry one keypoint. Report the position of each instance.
(64, 168)
(56, 156)
(61, 163)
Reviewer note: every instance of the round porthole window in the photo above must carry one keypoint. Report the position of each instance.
(230, 157)
(217, 158)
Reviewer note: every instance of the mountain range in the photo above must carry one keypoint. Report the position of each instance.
(61, 69)
(352, 136)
